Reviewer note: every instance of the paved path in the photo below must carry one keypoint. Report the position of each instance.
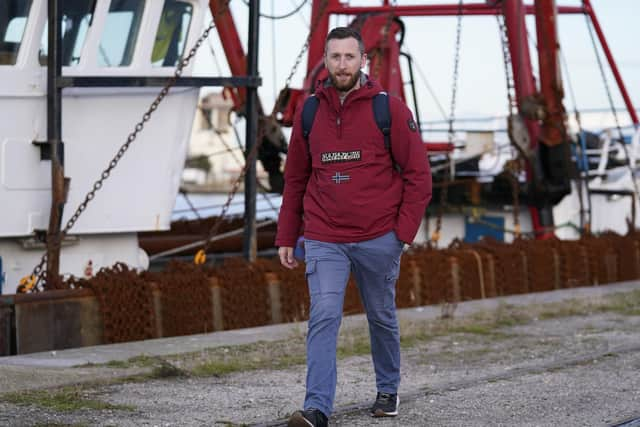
(560, 369)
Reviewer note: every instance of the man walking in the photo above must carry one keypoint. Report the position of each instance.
(363, 195)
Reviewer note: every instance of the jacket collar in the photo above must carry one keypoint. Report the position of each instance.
(368, 88)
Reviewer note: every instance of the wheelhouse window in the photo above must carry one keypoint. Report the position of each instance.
(13, 21)
(76, 20)
(171, 36)
(120, 33)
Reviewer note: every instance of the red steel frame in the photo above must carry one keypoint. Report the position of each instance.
(237, 59)
(553, 130)
(335, 7)
(232, 46)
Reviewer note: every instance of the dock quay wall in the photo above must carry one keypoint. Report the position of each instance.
(119, 304)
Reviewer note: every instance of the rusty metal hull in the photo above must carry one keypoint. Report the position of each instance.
(49, 320)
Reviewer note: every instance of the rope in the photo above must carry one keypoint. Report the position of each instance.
(612, 106)
(480, 271)
(583, 176)
(430, 89)
(435, 237)
(286, 15)
(191, 207)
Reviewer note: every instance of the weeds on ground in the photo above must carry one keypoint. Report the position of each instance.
(623, 303)
(65, 399)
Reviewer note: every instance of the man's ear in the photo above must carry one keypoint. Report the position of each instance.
(364, 60)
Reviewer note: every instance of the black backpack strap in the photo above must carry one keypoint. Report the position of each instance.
(308, 115)
(382, 115)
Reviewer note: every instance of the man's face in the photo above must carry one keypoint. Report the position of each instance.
(343, 61)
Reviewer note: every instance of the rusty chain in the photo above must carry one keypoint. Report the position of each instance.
(230, 150)
(38, 273)
(508, 72)
(435, 237)
(511, 172)
(322, 10)
(514, 169)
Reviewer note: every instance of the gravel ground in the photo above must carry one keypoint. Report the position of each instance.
(569, 371)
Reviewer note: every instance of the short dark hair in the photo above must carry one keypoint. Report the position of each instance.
(345, 33)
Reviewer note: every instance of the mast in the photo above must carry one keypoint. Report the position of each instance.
(54, 135)
(250, 243)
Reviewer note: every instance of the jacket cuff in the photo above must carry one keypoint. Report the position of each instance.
(286, 242)
(404, 236)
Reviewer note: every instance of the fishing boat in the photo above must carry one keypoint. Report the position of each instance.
(124, 51)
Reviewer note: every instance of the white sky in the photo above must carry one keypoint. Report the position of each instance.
(431, 40)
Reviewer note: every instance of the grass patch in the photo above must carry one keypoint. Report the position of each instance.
(142, 361)
(66, 399)
(626, 304)
(570, 309)
(215, 368)
(419, 336)
(228, 366)
(478, 329)
(261, 355)
(357, 345)
(486, 325)
(167, 370)
(227, 360)
(121, 364)
(623, 303)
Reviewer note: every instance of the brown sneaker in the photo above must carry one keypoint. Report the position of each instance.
(386, 405)
(308, 418)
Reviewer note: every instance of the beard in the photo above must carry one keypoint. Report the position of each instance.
(346, 86)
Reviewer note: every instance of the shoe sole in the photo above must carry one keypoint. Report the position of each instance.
(297, 420)
(379, 413)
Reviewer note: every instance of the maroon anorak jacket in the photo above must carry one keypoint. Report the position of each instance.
(343, 183)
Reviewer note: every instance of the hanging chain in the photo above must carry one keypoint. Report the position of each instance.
(456, 63)
(284, 93)
(230, 150)
(435, 237)
(508, 71)
(200, 257)
(513, 169)
(37, 275)
(516, 205)
(305, 46)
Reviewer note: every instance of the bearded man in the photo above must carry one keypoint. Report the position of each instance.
(360, 201)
